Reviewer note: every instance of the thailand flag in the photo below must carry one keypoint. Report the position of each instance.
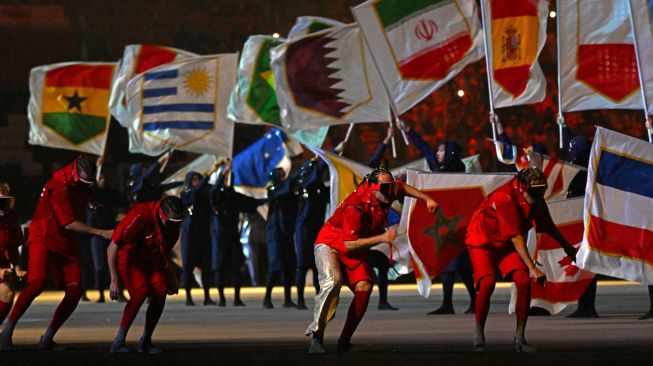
(618, 214)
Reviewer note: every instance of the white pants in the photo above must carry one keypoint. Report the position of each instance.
(330, 278)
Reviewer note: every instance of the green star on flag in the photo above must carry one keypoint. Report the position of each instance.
(444, 231)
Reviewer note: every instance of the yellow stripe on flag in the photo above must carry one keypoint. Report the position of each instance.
(514, 41)
(91, 101)
(347, 180)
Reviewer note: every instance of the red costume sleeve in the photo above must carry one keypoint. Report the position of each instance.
(128, 229)
(63, 211)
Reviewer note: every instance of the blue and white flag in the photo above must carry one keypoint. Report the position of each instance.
(252, 166)
(182, 105)
(618, 237)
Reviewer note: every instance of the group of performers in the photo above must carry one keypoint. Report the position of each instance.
(136, 253)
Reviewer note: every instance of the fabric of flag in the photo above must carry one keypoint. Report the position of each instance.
(598, 67)
(472, 165)
(419, 45)
(559, 174)
(516, 33)
(137, 59)
(308, 24)
(182, 105)
(253, 100)
(565, 283)
(642, 18)
(69, 106)
(252, 166)
(436, 240)
(328, 78)
(618, 215)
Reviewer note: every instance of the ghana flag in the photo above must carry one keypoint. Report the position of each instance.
(69, 105)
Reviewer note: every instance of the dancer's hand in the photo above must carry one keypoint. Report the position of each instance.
(5, 272)
(431, 206)
(390, 235)
(538, 275)
(114, 290)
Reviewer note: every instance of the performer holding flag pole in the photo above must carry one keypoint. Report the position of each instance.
(488, 63)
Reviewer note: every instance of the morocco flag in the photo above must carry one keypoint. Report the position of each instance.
(419, 45)
(516, 34)
(437, 240)
(598, 68)
(69, 105)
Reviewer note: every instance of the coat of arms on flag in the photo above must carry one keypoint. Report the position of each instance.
(419, 45)
(69, 105)
(516, 33)
(182, 105)
(328, 78)
(618, 215)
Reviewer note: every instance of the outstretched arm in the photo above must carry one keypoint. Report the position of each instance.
(363, 243)
(411, 191)
(520, 246)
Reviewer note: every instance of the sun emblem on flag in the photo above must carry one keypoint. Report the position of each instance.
(511, 47)
(197, 82)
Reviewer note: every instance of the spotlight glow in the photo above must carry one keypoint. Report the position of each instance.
(552, 14)
(461, 93)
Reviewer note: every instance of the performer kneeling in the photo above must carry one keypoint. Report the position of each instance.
(138, 251)
(495, 240)
(355, 227)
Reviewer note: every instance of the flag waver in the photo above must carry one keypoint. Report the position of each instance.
(516, 33)
(328, 78)
(69, 105)
(419, 45)
(618, 238)
(182, 105)
(598, 68)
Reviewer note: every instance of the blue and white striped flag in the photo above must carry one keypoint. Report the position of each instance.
(182, 105)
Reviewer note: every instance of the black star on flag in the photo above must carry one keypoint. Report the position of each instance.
(75, 101)
(444, 231)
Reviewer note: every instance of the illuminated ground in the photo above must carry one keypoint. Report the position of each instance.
(253, 335)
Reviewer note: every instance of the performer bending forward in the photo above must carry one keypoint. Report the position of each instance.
(357, 225)
(495, 239)
(139, 251)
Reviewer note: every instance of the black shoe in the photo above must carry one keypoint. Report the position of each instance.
(301, 305)
(222, 302)
(317, 346)
(85, 298)
(289, 304)
(522, 346)
(148, 347)
(101, 300)
(538, 311)
(118, 347)
(190, 302)
(648, 315)
(5, 342)
(470, 309)
(386, 306)
(49, 345)
(267, 303)
(122, 298)
(208, 301)
(347, 347)
(238, 302)
(442, 310)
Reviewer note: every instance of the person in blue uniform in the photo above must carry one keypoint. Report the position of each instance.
(446, 159)
(313, 198)
(282, 210)
(196, 234)
(226, 249)
(145, 181)
(103, 208)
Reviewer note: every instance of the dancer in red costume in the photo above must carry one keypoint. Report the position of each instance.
(58, 219)
(495, 238)
(139, 252)
(357, 225)
(11, 237)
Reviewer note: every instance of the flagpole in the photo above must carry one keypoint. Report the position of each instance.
(488, 65)
(561, 118)
(393, 108)
(642, 83)
(104, 149)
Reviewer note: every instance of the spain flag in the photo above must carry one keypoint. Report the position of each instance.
(69, 105)
(518, 33)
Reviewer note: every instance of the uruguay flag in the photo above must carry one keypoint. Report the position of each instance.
(182, 105)
(618, 213)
